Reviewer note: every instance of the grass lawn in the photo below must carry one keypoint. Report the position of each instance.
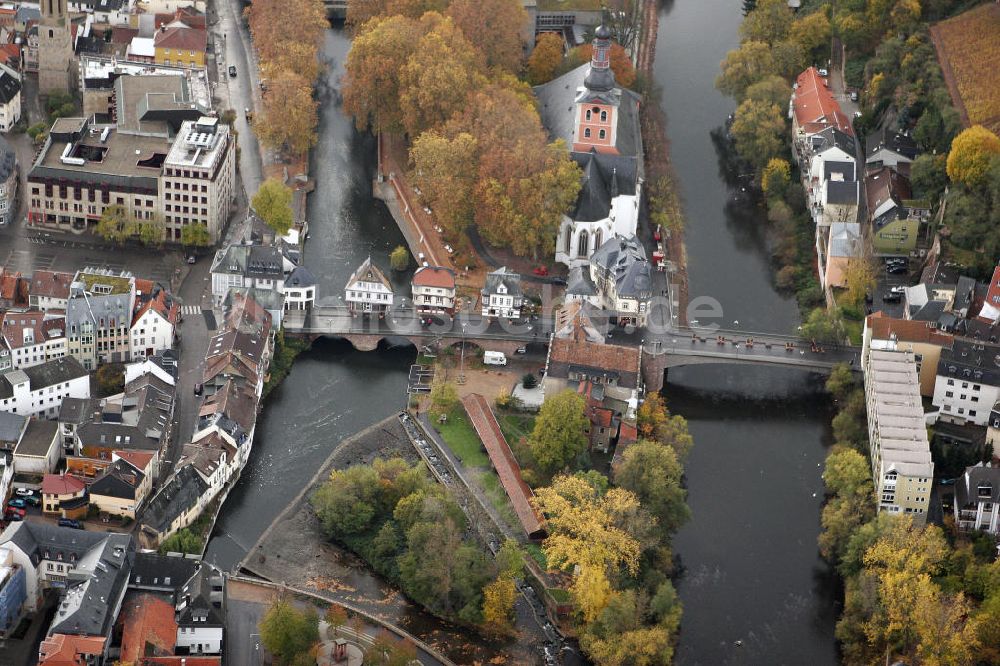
(516, 425)
(462, 439)
(854, 330)
(535, 551)
(490, 483)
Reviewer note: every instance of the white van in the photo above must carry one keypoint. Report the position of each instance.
(494, 358)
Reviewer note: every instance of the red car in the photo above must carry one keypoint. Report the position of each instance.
(541, 270)
(13, 513)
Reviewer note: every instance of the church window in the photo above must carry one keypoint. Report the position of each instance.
(602, 134)
(586, 133)
(588, 114)
(582, 244)
(604, 116)
(598, 237)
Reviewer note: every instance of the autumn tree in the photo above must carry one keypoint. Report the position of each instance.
(776, 177)
(841, 381)
(586, 531)
(414, 8)
(560, 433)
(446, 170)
(653, 472)
(360, 12)
(273, 203)
(289, 119)
(621, 63)
(655, 422)
(970, 156)
(495, 27)
(195, 235)
(117, 224)
(544, 59)
(744, 66)
(632, 631)
(438, 77)
(823, 326)
(859, 276)
(399, 259)
(371, 84)
(758, 132)
(771, 90)
(444, 396)
(286, 631)
(811, 32)
(498, 604)
(769, 22)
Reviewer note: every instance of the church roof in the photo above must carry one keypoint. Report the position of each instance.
(604, 177)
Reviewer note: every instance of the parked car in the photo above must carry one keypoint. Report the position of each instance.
(12, 515)
(69, 522)
(232, 71)
(823, 72)
(33, 500)
(24, 492)
(890, 297)
(521, 350)
(895, 269)
(854, 95)
(17, 502)
(198, 388)
(192, 259)
(541, 270)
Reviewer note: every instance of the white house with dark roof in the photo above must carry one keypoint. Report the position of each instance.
(501, 296)
(599, 121)
(968, 381)
(10, 98)
(368, 290)
(624, 280)
(299, 289)
(40, 389)
(977, 499)
(49, 290)
(33, 337)
(888, 147)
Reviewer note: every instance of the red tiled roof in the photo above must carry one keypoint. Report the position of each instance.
(160, 305)
(906, 330)
(53, 284)
(180, 661)
(121, 34)
(186, 15)
(181, 38)
(138, 459)
(149, 626)
(602, 416)
(993, 293)
(143, 287)
(434, 276)
(42, 329)
(61, 484)
(503, 461)
(814, 106)
(13, 287)
(64, 650)
(617, 358)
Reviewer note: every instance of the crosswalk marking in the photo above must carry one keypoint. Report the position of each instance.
(190, 309)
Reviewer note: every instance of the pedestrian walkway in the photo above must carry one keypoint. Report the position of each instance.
(190, 309)
(333, 649)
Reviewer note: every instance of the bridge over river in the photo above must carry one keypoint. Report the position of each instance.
(661, 350)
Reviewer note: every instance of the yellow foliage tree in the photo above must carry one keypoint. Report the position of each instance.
(498, 604)
(290, 114)
(545, 58)
(970, 155)
(776, 176)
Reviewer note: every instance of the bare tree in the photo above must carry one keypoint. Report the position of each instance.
(625, 21)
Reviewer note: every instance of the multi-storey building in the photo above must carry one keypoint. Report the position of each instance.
(8, 182)
(623, 278)
(977, 499)
(968, 381)
(924, 339)
(186, 181)
(501, 295)
(40, 389)
(368, 290)
(433, 290)
(32, 338)
(99, 318)
(153, 324)
(49, 290)
(902, 469)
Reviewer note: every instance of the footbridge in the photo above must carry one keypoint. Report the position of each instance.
(661, 350)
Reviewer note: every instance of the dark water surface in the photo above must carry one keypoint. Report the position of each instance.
(752, 571)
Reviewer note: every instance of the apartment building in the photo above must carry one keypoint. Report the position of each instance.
(40, 389)
(902, 469)
(968, 382)
(99, 318)
(33, 337)
(921, 338)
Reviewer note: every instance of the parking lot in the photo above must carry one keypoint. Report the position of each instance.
(885, 282)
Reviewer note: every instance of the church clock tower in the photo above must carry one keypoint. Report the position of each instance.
(598, 101)
(55, 49)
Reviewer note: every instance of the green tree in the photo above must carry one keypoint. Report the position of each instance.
(182, 541)
(273, 203)
(759, 133)
(195, 235)
(750, 63)
(444, 396)
(771, 90)
(110, 379)
(811, 32)
(151, 231)
(653, 472)
(510, 560)
(841, 381)
(970, 156)
(849, 423)
(560, 433)
(287, 631)
(400, 258)
(655, 422)
(116, 224)
(347, 503)
(823, 326)
(775, 178)
(929, 176)
(544, 59)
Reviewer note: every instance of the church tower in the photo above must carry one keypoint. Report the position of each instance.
(598, 101)
(55, 49)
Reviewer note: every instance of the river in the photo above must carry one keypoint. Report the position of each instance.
(751, 568)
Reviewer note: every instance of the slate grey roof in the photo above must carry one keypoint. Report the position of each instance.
(604, 177)
(27, 13)
(10, 426)
(9, 87)
(579, 282)
(175, 498)
(137, 420)
(254, 261)
(121, 479)
(929, 311)
(891, 140)
(269, 299)
(102, 564)
(624, 261)
(199, 602)
(831, 137)
(37, 438)
(968, 486)
(831, 167)
(8, 160)
(965, 293)
(501, 276)
(300, 277)
(842, 192)
(970, 360)
(103, 5)
(45, 374)
(162, 573)
(77, 410)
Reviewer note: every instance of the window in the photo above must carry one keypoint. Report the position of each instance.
(586, 133)
(951, 382)
(588, 114)
(602, 134)
(972, 412)
(604, 116)
(949, 394)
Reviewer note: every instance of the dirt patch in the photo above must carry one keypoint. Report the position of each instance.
(969, 54)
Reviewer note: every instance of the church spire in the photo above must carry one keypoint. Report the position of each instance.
(600, 77)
